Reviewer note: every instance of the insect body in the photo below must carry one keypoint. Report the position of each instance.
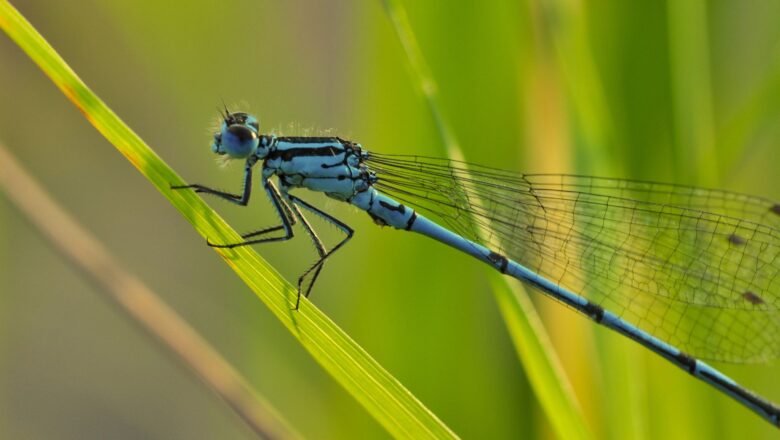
(329, 165)
(664, 265)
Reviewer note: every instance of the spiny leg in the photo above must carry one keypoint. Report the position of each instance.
(230, 197)
(263, 231)
(239, 199)
(320, 250)
(317, 267)
(281, 209)
(288, 215)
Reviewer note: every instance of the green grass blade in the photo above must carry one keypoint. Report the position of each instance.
(577, 65)
(692, 90)
(537, 355)
(383, 396)
(735, 140)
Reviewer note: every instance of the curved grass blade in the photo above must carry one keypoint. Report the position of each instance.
(383, 396)
(537, 355)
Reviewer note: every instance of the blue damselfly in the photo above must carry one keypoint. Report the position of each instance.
(665, 265)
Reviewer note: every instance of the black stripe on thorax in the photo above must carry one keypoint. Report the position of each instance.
(310, 140)
(291, 153)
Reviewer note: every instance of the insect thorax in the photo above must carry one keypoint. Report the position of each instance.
(325, 164)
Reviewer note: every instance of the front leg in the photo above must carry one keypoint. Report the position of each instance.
(242, 199)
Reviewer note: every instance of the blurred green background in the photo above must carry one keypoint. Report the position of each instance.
(682, 91)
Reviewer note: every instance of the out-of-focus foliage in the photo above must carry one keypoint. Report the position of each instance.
(676, 91)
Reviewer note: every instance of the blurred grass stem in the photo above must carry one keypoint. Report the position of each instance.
(136, 301)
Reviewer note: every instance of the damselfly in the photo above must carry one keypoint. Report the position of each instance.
(665, 265)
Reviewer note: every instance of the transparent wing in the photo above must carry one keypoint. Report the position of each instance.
(695, 267)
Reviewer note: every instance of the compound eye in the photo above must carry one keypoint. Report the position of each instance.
(242, 132)
(239, 141)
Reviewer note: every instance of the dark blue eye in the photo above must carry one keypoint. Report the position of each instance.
(239, 141)
(238, 137)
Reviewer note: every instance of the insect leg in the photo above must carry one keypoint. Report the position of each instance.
(282, 209)
(317, 266)
(239, 199)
